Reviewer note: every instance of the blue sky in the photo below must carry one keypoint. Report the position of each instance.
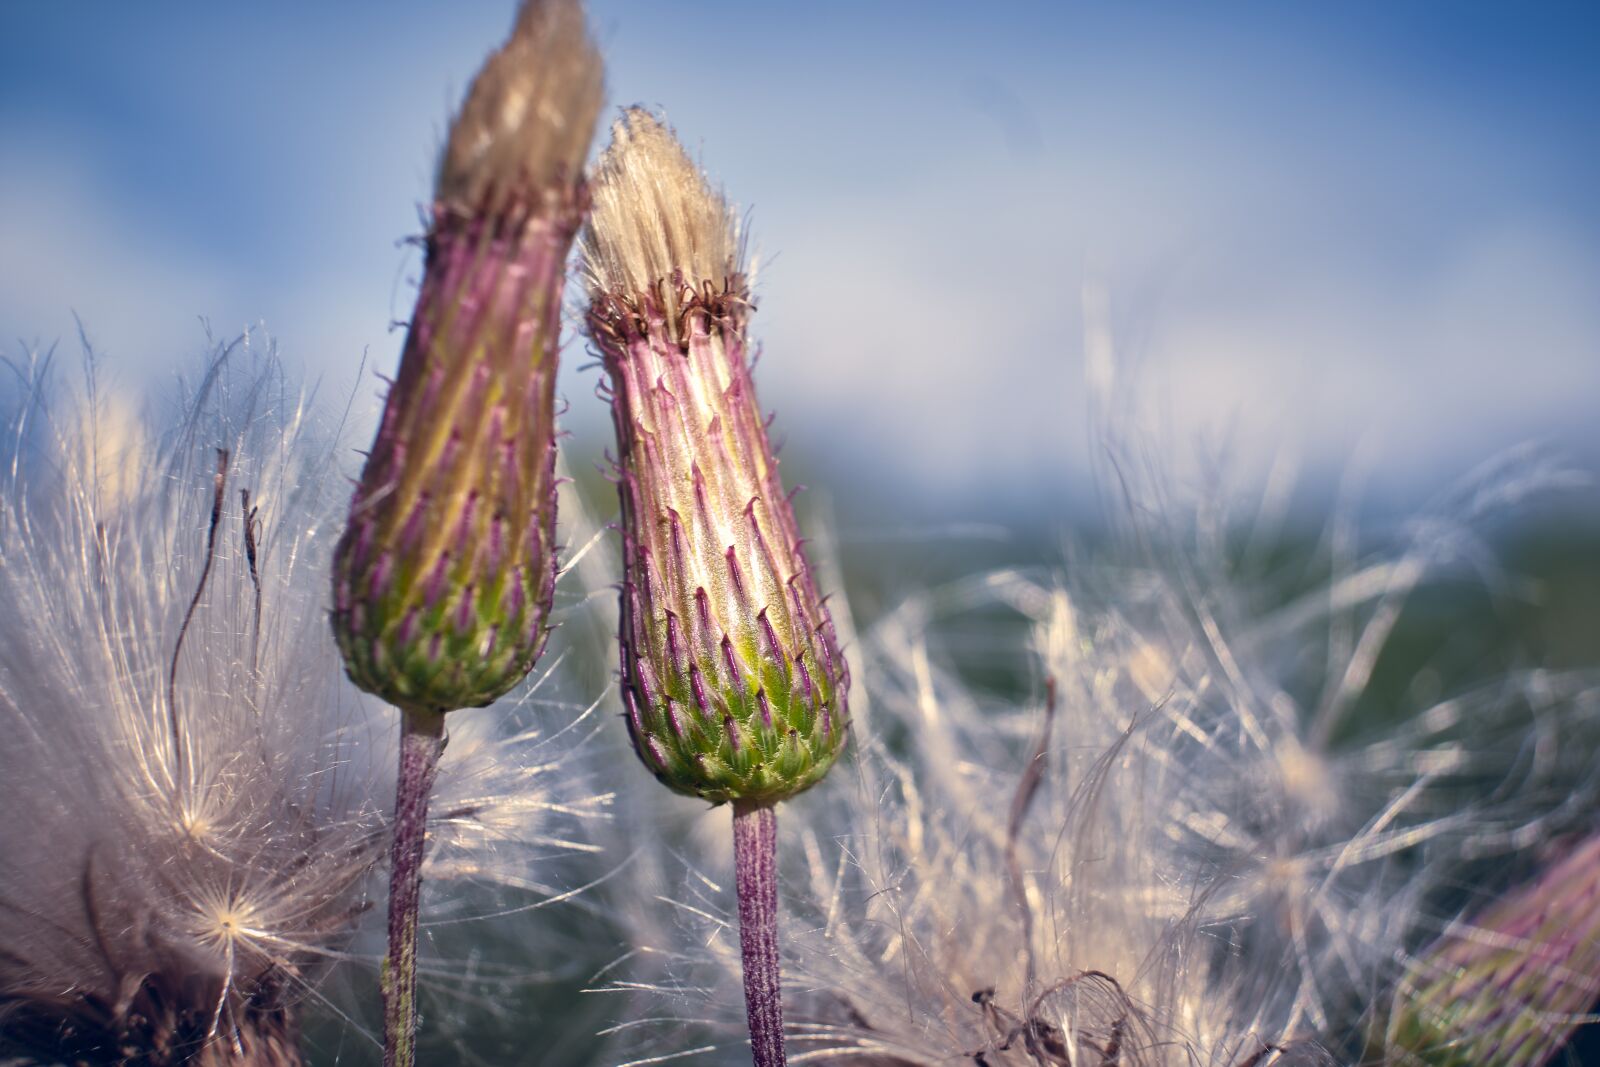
(1311, 227)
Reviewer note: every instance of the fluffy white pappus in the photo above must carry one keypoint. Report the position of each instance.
(195, 795)
(191, 817)
(1217, 850)
(1329, 813)
(980, 887)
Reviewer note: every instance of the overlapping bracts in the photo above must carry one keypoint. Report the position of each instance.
(733, 681)
(445, 573)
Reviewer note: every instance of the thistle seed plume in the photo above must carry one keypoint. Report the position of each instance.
(188, 831)
(1328, 813)
(984, 892)
(194, 792)
(1221, 846)
(1328, 821)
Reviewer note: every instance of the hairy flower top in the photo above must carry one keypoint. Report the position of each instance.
(444, 577)
(657, 221)
(530, 116)
(733, 679)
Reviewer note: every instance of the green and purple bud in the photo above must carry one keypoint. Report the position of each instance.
(1508, 988)
(732, 677)
(444, 576)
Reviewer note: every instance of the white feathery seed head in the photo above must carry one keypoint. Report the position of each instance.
(194, 794)
(985, 891)
(1217, 850)
(188, 829)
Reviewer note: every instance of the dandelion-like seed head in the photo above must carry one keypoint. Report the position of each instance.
(189, 833)
(986, 892)
(1206, 852)
(193, 791)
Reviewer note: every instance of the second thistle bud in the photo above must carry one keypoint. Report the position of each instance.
(733, 680)
(1510, 987)
(444, 577)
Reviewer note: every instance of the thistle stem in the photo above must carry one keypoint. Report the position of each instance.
(755, 855)
(421, 741)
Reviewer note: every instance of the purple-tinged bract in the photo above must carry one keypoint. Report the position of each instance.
(733, 680)
(444, 577)
(1508, 988)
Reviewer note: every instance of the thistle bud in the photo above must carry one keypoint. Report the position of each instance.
(443, 579)
(1509, 988)
(734, 684)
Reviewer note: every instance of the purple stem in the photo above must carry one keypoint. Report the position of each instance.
(755, 855)
(421, 741)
